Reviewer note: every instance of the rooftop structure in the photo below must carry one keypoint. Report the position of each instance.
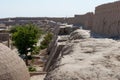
(12, 67)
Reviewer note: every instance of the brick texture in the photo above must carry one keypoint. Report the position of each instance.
(107, 19)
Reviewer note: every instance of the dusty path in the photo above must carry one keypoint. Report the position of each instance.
(42, 76)
(38, 77)
(40, 40)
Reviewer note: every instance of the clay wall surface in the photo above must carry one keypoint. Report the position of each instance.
(85, 20)
(88, 22)
(79, 19)
(12, 67)
(4, 37)
(107, 19)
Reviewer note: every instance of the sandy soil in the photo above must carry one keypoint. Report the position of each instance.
(38, 77)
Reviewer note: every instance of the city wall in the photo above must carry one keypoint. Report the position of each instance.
(85, 20)
(107, 19)
(4, 37)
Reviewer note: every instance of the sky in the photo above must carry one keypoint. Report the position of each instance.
(47, 8)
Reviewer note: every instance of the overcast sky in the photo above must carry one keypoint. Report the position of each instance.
(47, 8)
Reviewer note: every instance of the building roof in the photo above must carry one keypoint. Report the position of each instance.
(12, 67)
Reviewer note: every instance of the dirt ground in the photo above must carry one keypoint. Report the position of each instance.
(38, 77)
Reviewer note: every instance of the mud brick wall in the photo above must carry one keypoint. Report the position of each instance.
(107, 19)
(4, 37)
(12, 67)
(79, 19)
(88, 21)
(85, 20)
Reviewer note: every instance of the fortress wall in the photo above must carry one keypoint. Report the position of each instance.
(107, 19)
(79, 19)
(88, 22)
(4, 37)
(85, 20)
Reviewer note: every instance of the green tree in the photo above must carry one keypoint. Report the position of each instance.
(25, 38)
(46, 40)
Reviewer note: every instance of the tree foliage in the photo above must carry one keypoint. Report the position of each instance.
(46, 40)
(25, 38)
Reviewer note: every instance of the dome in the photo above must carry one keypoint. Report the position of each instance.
(12, 67)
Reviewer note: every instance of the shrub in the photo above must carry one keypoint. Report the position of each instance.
(36, 50)
(44, 44)
(32, 69)
(25, 37)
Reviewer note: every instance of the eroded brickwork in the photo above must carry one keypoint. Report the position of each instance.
(107, 19)
(85, 20)
(4, 37)
(88, 22)
(12, 67)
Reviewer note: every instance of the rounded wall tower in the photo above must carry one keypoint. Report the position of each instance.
(12, 67)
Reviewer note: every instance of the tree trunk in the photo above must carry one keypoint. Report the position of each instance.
(26, 59)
